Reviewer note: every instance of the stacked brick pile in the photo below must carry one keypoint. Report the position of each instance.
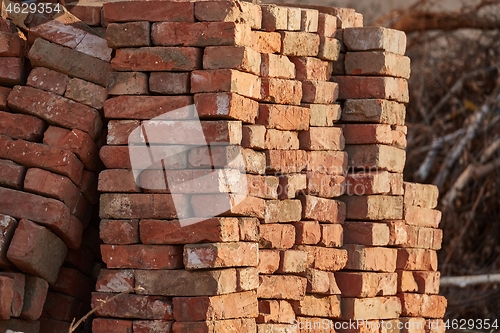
(49, 132)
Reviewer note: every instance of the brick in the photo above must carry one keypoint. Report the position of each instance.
(327, 25)
(207, 205)
(406, 282)
(377, 63)
(422, 217)
(18, 285)
(314, 305)
(133, 306)
(265, 187)
(266, 42)
(367, 134)
(76, 141)
(88, 13)
(226, 80)
(396, 182)
(146, 107)
(117, 180)
(274, 17)
(299, 44)
(169, 83)
(366, 284)
(200, 34)
(146, 326)
(275, 65)
(367, 183)
(281, 91)
(11, 174)
(48, 80)
(236, 305)
(7, 290)
(249, 229)
(155, 11)
(294, 19)
(285, 140)
(35, 250)
(68, 61)
(355, 87)
(292, 261)
(318, 282)
(86, 93)
(291, 185)
(19, 325)
(322, 210)
(324, 115)
(272, 328)
(375, 38)
(247, 278)
(35, 293)
(319, 92)
(60, 309)
(115, 281)
(287, 287)
(286, 161)
(227, 156)
(329, 50)
(127, 83)
(73, 283)
(418, 305)
(227, 105)
(420, 195)
(12, 71)
(330, 162)
(376, 156)
(215, 326)
(309, 68)
(11, 45)
(297, 118)
(253, 136)
(417, 260)
(398, 234)
(228, 11)
(69, 114)
(156, 59)
(366, 233)
(377, 259)
(269, 261)
(142, 256)
(399, 134)
(4, 93)
(275, 311)
(235, 57)
(325, 185)
(323, 258)
(332, 235)
(119, 231)
(186, 283)
(216, 255)
(322, 138)
(7, 227)
(370, 308)
(82, 259)
(276, 236)
(130, 34)
(309, 20)
(374, 110)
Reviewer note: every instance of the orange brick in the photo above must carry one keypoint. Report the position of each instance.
(291, 185)
(253, 136)
(324, 185)
(428, 282)
(275, 311)
(322, 138)
(366, 183)
(294, 19)
(227, 105)
(249, 229)
(318, 282)
(323, 258)
(356, 87)
(314, 305)
(276, 236)
(376, 156)
(228, 11)
(329, 50)
(327, 25)
(269, 261)
(320, 92)
(307, 233)
(281, 91)
(396, 182)
(377, 63)
(142, 256)
(272, 116)
(309, 20)
(292, 261)
(322, 210)
(420, 195)
(266, 42)
(299, 44)
(367, 134)
(324, 115)
(135, 306)
(417, 260)
(371, 308)
(235, 57)
(265, 187)
(214, 326)
(329, 162)
(274, 17)
(216, 255)
(309, 68)
(247, 278)
(377, 259)
(422, 305)
(282, 211)
(287, 287)
(286, 161)
(366, 284)
(226, 80)
(422, 217)
(398, 234)
(332, 235)
(275, 65)
(366, 233)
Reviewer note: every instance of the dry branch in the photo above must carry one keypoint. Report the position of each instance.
(464, 281)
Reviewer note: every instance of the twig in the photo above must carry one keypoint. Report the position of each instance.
(464, 281)
(492, 148)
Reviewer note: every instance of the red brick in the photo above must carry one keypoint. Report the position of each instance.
(292, 261)
(406, 282)
(266, 42)
(127, 83)
(366, 233)
(82, 259)
(4, 93)
(376, 156)
(186, 283)
(281, 91)
(247, 278)
(130, 34)
(375, 38)
(275, 65)
(18, 285)
(377, 63)
(207, 205)
(34, 297)
(133, 306)
(374, 111)
(86, 93)
(292, 185)
(115, 281)
(148, 326)
(105, 325)
(73, 283)
(276, 236)
(417, 260)
(418, 305)
(322, 210)
(48, 80)
(285, 140)
(117, 180)
(228, 11)
(236, 305)
(322, 138)
(235, 57)
(323, 258)
(11, 174)
(154, 11)
(35, 250)
(227, 156)
(377, 259)
(265, 187)
(12, 71)
(422, 217)
(286, 161)
(427, 282)
(83, 66)
(307, 233)
(357, 87)
(216, 326)
(318, 282)
(398, 233)
(88, 187)
(11, 45)
(156, 59)
(329, 49)
(142, 256)
(299, 44)
(275, 311)
(366, 183)
(367, 134)
(420, 195)
(269, 261)
(314, 305)
(370, 308)
(170, 83)
(119, 231)
(249, 229)
(145, 107)
(226, 80)
(272, 117)
(327, 25)
(88, 13)
(7, 291)
(332, 235)
(329, 162)
(119, 131)
(319, 92)
(226, 105)
(282, 287)
(325, 185)
(7, 227)
(366, 284)
(274, 17)
(309, 68)
(216, 255)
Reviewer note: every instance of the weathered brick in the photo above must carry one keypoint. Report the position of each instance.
(216, 255)
(269, 261)
(286, 161)
(357, 87)
(276, 236)
(11, 45)
(322, 138)
(7, 290)
(282, 287)
(154, 11)
(133, 306)
(130, 34)
(88, 13)
(155, 59)
(235, 305)
(406, 282)
(309, 20)
(329, 50)
(253, 136)
(275, 311)
(422, 305)
(324, 115)
(322, 258)
(117, 180)
(427, 282)
(374, 111)
(275, 65)
(142, 256)
(249, 229)
(68, 61)
(226, 104)
(127, 83)
(274, 17)
(226, 80)
(325, 185)
(271, 115)
(375, 38)
(366, 284)
(119, 231)
(299, 44)
(73, 283)
(235, 57)
(327, 25)
(376, 157)
(329, 162)
(82, 259)
(7, 227)
(12, 71)
(147, 107)
(292, 261)
(420, 195)
(265, 187)
(207, 205)
(86, 93)
(169, 83)
(366, 183)
(12, 174)
(281, 91)
(422, 217)
(146, 326)
(366, 233)
(35, 293)
(227, 156)
(215, 326)
(377, 63)
(370, 308)
(310, 68)
(4, 93)
(322, 210)
(315, 305)
(115, 281)
(367, 134)
(56, 110)
(285, 140)
(18, 286)
(266, 42)
(320, 92)
(417, 260)
(229, 11)
(332, 235)
(48, 80)
(294, 19)
(374, 207)
(19, 325)
(378, 259)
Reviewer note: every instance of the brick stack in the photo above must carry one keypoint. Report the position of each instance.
(49, 137)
